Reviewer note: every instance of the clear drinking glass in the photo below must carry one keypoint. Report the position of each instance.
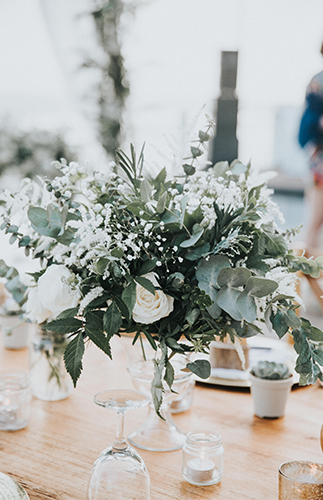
(119, 472)
(156, 434)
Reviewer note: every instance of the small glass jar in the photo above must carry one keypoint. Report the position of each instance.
(15, 399)
(203, 458)
(48, 378)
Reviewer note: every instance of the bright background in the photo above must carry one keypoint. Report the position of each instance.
(172, 52)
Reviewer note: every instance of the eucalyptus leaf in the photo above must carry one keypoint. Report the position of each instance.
(161, 205)
(38, 217)
(227, 300)
(260, 287)
(207, 271)
(214, 310)
(318, 356)
(238, 168)
(24, 241)
(12, 229)
(44, 226)
(192, 316)
(171, 217)
(246, 305)
(197, 232)
(176, 280)
(200, 367)
(233, 277)
(161, 178)
(157, 386)
(145, 190)
(183, 204)
(101, 265)
(280, 322)
(197, 252)
(169, 374)
(189, 169)
(117, 252)
(13, 238)
(314, 334)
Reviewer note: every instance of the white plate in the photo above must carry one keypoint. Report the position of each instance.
(10, 489)
(260, 348)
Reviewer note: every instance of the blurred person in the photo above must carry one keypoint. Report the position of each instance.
(311, 138)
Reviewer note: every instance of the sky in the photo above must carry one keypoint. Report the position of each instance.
(172, 52)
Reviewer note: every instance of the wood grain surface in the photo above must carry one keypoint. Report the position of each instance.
(53, 456)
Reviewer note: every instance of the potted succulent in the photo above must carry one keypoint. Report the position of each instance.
(270, 385)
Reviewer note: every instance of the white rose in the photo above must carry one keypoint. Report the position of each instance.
(55, 294)
(34, 308)
(148, 307)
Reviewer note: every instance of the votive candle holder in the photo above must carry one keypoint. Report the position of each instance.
(301, 480)
(15, 399)
(203, 458)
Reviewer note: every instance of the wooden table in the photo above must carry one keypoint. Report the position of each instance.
(52, 457)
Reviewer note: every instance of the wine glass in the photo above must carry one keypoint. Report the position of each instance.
(119, 472)
(159, 434)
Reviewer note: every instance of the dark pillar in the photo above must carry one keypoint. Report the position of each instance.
(225, 143)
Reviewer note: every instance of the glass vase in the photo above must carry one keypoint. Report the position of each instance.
(159, 434)
(48, 378)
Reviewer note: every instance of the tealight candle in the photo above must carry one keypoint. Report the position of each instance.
(200, 470)
(203, 458)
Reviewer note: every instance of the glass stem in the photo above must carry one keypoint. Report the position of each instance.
(120, 442)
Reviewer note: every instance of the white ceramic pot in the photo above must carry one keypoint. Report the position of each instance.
(270, 396)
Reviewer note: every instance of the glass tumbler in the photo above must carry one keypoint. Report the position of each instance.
(15, 399)
(301, 480)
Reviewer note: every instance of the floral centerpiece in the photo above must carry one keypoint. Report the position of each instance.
(196, 257)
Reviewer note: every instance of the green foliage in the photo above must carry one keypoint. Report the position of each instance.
(201, 368)
(30, 152)
(218, 266)
(73, 355)
(113, 87)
